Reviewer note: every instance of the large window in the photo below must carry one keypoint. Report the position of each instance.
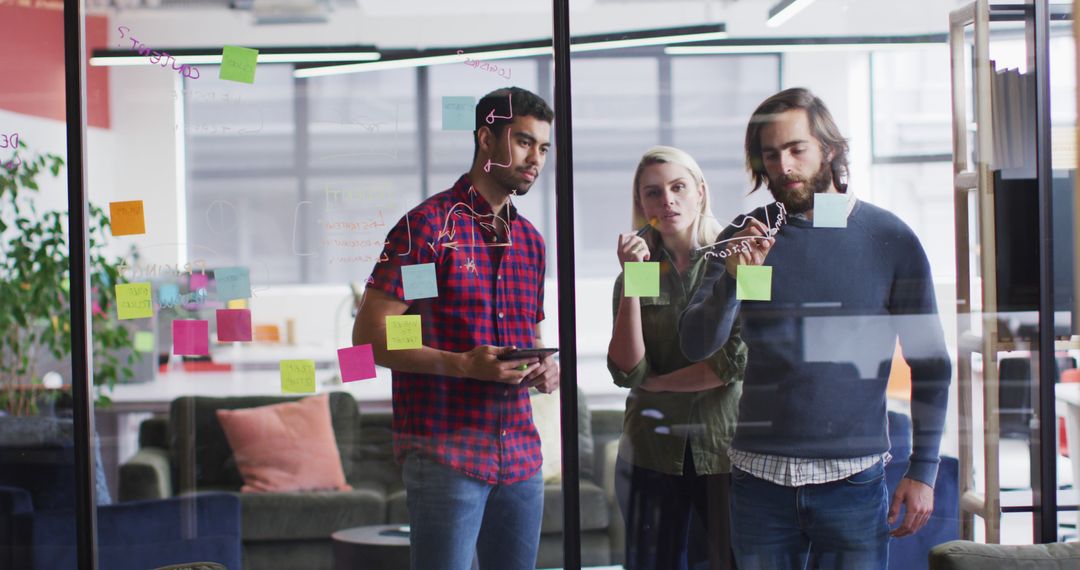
(338, 160)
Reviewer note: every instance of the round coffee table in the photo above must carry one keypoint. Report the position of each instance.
(379, 547)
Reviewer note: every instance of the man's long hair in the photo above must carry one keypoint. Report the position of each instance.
(822, 126)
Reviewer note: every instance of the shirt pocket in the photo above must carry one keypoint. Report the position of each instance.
(519, 285)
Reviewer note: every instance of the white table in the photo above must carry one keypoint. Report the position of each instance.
(168, 386)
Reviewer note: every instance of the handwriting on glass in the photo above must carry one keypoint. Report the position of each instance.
(153, 270)
(155, 56)
(742, 244)
(485, 66)
(214, 129)
(193, 298)
(11, 141)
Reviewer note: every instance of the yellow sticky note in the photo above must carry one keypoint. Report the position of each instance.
(133, 301)
(297, 376)
(403, 332)
(753, 283)
(127, 218)
(237, 304)
(641, 279)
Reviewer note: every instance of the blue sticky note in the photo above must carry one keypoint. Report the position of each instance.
(169, 295)
(233, 283)
(830, 210)
(458, 113)
(419, 281)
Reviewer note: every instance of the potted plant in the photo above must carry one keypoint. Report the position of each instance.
(34, 297)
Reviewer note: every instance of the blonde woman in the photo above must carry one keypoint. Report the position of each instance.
(680, 416)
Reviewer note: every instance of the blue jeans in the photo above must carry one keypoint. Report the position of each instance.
(453, 517)
(841, 525)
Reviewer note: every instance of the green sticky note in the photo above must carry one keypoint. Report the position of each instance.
(641, 279)
(403, 332)
(753, 283)
(133, 301)
(144, 341)
(297, 376)
(238, 64)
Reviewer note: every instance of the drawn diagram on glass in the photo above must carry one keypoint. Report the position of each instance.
(463, 210)
(221, 217)
(742, 246)
(491, 117)
(296, 219)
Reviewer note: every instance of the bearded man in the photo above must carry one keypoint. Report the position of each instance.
(812, 441)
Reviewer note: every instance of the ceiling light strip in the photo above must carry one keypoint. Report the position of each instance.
(585, 44)
(215, 59)
(782, 12)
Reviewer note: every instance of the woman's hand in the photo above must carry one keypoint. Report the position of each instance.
(632, 248)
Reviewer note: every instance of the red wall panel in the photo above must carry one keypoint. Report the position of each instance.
(32, 61)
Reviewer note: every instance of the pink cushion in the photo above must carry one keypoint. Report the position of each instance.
(285, 447)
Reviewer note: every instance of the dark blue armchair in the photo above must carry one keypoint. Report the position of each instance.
(136, 535)
(37, 520)
(913, 552)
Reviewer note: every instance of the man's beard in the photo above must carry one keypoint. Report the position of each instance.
(801, 199)
(505, 177)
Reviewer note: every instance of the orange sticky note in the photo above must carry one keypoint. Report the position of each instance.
(127, 218)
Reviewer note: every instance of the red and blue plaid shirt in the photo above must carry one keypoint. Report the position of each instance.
(491, 291)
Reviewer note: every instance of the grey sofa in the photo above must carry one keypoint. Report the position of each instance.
(965, 555)
(188, 451)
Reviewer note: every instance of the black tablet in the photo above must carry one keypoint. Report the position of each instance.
(524, 353)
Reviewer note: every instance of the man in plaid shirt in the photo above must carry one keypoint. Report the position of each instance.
(463, 423)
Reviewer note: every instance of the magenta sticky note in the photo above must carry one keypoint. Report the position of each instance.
(234, 325)
(199, 281)
(356, 362)
(191, 337)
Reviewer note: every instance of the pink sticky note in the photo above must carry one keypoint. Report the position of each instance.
(191, 338)
(199, 281)
(356, 362)
(234, 325)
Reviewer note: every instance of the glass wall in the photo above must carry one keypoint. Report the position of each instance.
(37, 434)
(316, 229)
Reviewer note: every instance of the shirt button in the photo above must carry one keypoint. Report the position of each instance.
(504, 433)
(498, 277)
(506, 392)
(500, 314)
(493, 238)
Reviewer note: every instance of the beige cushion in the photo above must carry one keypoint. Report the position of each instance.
(546, 417)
